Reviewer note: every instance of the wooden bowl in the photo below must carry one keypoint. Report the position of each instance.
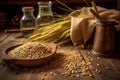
(28, 62)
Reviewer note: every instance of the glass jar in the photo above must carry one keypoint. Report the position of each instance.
(27, 22)
(45, 14)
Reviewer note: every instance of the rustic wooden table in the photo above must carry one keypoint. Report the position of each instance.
(102, 68)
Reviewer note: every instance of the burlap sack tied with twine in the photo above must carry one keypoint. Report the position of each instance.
(83, 22)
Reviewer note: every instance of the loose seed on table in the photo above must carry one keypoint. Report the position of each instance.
(98, 58)
(98, 64)
(77, 76)
(108, 68)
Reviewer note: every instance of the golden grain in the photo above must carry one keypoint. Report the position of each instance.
(30, 50)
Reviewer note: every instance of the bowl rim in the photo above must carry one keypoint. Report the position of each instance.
(9, 59)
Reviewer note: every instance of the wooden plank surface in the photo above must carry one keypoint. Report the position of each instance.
(103, 68)
(4, 70)
(98, 68)
(35, 73)
(3, 36)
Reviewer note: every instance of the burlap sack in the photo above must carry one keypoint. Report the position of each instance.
(83, 22)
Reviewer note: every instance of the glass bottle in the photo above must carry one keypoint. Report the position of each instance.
(27, 22)
(45, 14)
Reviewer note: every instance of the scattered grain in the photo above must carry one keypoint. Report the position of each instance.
(72, 75)
(88, 52)
(44, 74)
(42, 78)
(96, 70)
(98, 64)
(51, 73)
(99, 71)
(70, 61)
(90, 75)
(98, 58)
(108, 68)
(84, 74)
(77, 75)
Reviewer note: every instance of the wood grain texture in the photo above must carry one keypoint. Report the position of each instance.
(3, 36)
(101, 68)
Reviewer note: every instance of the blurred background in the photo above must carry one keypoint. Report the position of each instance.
(10, 10)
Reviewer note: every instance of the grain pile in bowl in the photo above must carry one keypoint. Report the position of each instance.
(30, 50)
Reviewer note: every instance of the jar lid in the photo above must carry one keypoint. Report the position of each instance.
(27, 8)
(45, 3)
